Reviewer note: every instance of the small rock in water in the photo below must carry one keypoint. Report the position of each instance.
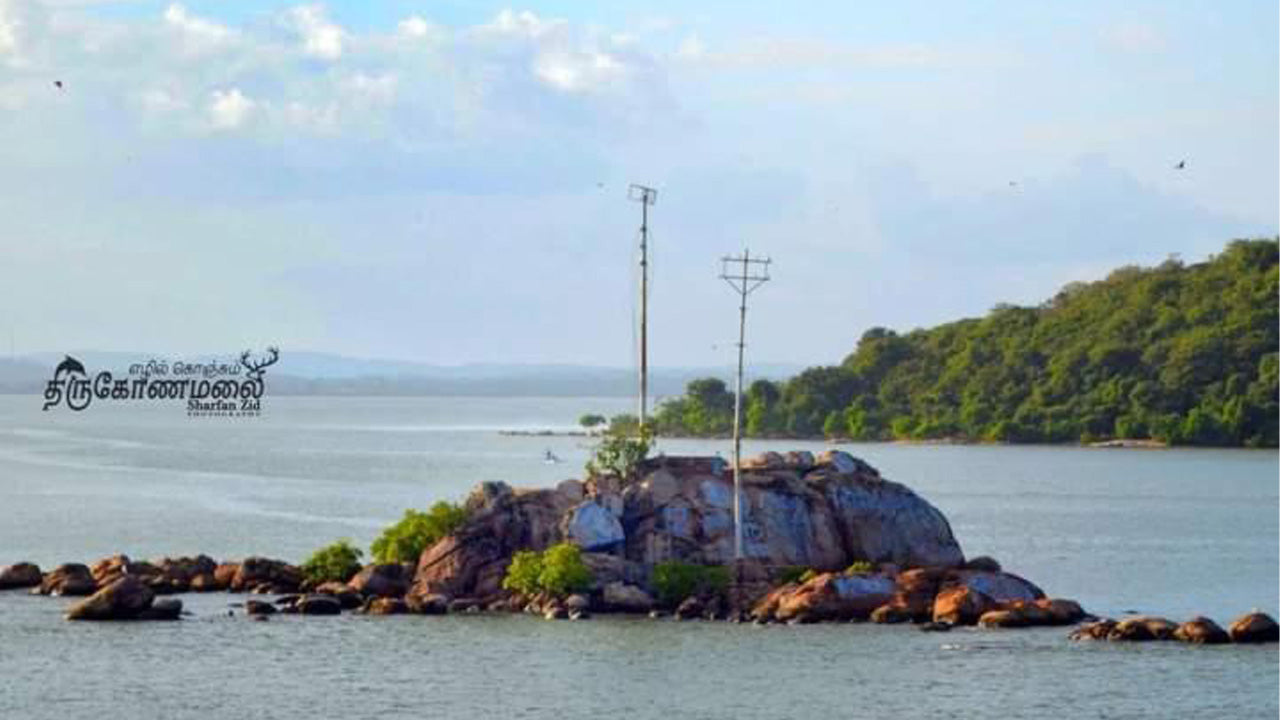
(935, 627)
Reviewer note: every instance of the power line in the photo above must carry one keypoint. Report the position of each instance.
(744, 274)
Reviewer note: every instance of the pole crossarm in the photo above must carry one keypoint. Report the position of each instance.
(744, 274)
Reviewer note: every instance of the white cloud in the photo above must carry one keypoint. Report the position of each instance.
(523, 23)
(377, 88)
(320, 37)
(229, 109)
(415, 27)
(198, 34)
(691, 48)
(161, 101)
(577, 71)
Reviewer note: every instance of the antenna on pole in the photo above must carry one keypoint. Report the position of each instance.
(646, 196)
(744, 274)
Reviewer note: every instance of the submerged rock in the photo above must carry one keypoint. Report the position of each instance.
(318, 605)
(1142, 628)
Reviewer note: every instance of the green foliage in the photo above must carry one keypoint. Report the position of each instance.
(859, 567)
(523, 572)
(563, 570)
(808, 575)
(590, 421)
(620, 451)
(792, 574)
(558, 571)
(336, 562)
(417, 531)
(674, 581)
(1186, 354)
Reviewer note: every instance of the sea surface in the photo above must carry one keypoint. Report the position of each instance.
(1170, 532)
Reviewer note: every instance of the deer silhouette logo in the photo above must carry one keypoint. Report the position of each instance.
(258, 368)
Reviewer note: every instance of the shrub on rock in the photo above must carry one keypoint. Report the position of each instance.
(417, 531)
(335, 562)
(675, 581)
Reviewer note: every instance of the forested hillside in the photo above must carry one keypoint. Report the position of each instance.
(1182, 353)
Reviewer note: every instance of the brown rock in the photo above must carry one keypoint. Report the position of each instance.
(381, 581)
(1201, 631)
(1142, 628)
(834, 597)
(123, 599)
(961, 605)
(1097, 630)
(348, 598)
(68, 579)
(20, 575)
(1061, 611)
(891, 613)
(258, 607)
(204, 582)
(428, 604)
(1004, 619)
(1256, 627)
(319, 605)
(225, 574)
(276, 576)
(387, 606)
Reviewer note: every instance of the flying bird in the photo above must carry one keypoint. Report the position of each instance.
(1013, 183)
(58, 84)
(1182, 165)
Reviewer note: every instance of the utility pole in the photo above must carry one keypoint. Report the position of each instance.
(744, 274)
(646, 196)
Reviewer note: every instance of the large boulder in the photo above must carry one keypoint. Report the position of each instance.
(123, 599)
(1143, 628)
(20, 575)
(263, 574)
(830, 597)
(390, 580)
(1256, 627)
(621, 597)
(1201, 631)
(318, 605)
(68, 579)
(501, 521)
(592, 528)
(823, 513)
(961, 605)
(797, 510)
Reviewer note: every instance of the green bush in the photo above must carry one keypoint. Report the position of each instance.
(808, 575)
(523, 573)
(674, 581)
(417, 531)
(558, 571)
(792, 574)
(859, 567)
(333, 563)
(621, 449)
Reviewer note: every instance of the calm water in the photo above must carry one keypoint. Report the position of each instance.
(1167, 532)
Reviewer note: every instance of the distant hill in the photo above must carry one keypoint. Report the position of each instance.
(312, 373)
(1185, 354)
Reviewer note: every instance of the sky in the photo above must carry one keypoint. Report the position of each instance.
(446, 182)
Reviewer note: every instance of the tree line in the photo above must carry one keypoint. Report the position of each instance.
(1181, 353)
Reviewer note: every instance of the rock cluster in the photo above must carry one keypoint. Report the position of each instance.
(944, 596)
(798, 510)
(1254, 627)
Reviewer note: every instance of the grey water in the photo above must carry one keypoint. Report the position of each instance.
(1169, 532)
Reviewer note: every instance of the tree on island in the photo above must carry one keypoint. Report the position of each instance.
(1184, 354)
